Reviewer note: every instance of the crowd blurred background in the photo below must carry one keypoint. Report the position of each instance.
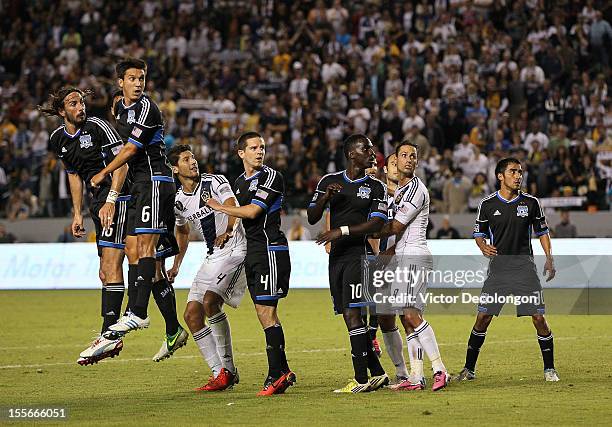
(468, 81)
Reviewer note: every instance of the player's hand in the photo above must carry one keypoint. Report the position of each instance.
(328, 236)
(172, 273)
(221, 240)
(549, 267)
(77, 228)
(488, 250)
(332, 189)
(106, 214)
(97, 179)
(213, 204)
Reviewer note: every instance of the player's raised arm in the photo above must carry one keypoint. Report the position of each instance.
(250, 211)
(127, 152)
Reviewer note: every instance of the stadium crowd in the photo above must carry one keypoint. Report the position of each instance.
(468, 81)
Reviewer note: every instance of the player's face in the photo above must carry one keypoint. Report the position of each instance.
(407, 160)
(133, 83)
(364, 156)
(187, 166)
(512, 177)
(254, 152)
(74, 109)
(391, 169)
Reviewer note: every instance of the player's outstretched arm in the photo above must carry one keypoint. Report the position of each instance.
(182, 238)
(315, 209)
(76, 191)
(373, 225)
(250, 211)
(107, 211)
(232, 223)
(549, 265)
(390, 229)
(127, 152)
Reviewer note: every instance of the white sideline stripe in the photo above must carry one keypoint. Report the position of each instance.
(324, 350)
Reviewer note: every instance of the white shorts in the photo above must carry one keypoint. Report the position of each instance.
(411, 290)
(224, 276)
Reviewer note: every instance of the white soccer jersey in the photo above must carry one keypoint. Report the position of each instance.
(192, 208)
(411, 207)
(390, 214)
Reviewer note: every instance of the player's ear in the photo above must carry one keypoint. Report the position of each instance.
(120, 83)
(174, 169)
(241, 154)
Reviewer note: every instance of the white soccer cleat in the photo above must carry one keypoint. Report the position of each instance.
(551, 375)
(171, 343)
(100, 348)
(129, 322)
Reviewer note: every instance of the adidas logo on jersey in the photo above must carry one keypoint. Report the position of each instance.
(64, 150)
(139, 278)
(497, 212)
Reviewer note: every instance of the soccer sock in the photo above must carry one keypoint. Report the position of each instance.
(473, 349)
(374, 365)
(275, 350)
(132, 289)
(427, 338)
(393, 344)
(146, 273)
(208, 347)
(547, 348)
(373, 326)
(112, 298)
(221, 330)
(164, 298)
(359, 352)
(415, 354)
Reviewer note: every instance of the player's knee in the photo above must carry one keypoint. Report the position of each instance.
(411, 319)
(482, 322)
(539, 321)
(353, 318)
(192, 317)
(211, 307)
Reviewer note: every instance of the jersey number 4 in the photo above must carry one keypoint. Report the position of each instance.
(264, 281)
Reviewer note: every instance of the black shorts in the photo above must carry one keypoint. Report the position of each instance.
(522, 283)
(113, 236)
(151, 209)
(268, 277)
(346, 284)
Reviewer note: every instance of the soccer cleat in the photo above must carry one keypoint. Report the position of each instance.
(551, 375)
(353, 387)
(465, 375)
(277, 386)
(100, 348)
(398, 380)
(223, 381)
(129, 322)
(377, 382)
(408, 385)
(377, 348)
(171, 343)
(441, 380)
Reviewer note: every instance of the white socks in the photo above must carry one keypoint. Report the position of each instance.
(415, 354)
(427, 338)
(208, 347)
(393, 345)
(221, 331)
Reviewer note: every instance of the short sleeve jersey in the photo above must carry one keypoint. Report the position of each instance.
(192, 208)
(142, 124)
(265, 189)
(411, 207)
(509, 224)
(88, 151)
(357, 202)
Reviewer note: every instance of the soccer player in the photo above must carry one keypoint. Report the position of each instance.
(358, 208)
(390, 331)
(85, 145)
(260, 191)
(150, 216)
(221, 277)
(409, 225)
(506, 218)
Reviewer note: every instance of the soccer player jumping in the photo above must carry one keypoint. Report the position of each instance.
(506, 218)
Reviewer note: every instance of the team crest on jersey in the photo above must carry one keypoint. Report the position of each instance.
(85, 141)
(205, 195)
(179, 206)
(522, 211)
(131, 116)
(364, 192)
(253, 185)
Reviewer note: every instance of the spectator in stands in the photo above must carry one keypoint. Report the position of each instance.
(479, 190)
(456, 192)
(446, 230)
(6, 236)
(565, 229)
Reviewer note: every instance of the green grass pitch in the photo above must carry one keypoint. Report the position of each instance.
(42, 333)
